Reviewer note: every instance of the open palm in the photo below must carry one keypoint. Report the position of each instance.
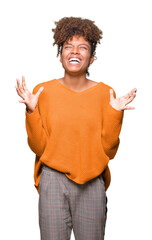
(121, 102)
(29, 99)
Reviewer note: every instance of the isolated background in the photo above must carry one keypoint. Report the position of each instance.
(124, 60)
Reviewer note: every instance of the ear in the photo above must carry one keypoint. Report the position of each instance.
(91, 59)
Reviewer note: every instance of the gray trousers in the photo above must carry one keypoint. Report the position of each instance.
(65, 205)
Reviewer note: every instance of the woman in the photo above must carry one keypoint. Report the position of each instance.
(73, 126)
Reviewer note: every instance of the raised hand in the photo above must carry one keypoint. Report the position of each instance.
(120, 103)
(29, 99)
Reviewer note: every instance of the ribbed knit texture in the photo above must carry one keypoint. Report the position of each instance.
(76, 133)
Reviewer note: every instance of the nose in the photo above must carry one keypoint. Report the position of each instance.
(75, 50)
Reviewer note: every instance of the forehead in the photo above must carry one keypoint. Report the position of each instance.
(77, 40)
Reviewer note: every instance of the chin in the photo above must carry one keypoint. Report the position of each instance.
(75, 73)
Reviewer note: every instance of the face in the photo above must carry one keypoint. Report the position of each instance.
(75, 57)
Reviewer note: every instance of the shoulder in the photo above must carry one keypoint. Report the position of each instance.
(106, 89)
(106, 86)
(46, 85)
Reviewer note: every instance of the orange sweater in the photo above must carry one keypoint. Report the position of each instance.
(76, 133)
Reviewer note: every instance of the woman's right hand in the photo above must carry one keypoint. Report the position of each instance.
(29, 99)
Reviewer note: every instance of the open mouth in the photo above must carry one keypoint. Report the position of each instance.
(74, 61)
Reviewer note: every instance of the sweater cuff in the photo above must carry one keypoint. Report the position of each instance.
(33, 114)
(118, 114)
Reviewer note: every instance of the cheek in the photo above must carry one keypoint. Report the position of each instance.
(62, 59)
(65, 52)
(86, 56)
(88, 60)
(64, 56)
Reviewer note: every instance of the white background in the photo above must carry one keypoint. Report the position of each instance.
(124, 60)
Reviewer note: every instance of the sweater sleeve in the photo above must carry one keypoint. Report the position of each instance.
(111, 127)
(36, 135)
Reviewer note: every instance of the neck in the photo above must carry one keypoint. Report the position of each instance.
(75, 81)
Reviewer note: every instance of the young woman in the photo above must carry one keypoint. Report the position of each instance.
(73, 126)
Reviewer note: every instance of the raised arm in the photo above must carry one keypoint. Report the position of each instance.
(111, 127)
(36, 133)
(113, 112)
(35, 130)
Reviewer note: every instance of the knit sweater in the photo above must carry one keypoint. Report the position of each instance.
(76, 133)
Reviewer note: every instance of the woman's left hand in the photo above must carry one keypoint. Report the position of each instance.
(120, 103)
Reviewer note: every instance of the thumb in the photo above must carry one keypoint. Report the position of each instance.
(111, 95)
(39, 91)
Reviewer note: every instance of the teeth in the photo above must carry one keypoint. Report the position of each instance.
(74, 59)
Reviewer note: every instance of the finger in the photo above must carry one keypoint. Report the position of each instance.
(19, 85)
(128, 95)
(22, 101)
(23, 83)
(132, 92)
(17, 81)
(17, 89)
(130, 99)
(39, 91)
(111, 94)
(129, 108)
(19, 93)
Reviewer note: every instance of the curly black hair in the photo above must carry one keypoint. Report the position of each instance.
(67, 27)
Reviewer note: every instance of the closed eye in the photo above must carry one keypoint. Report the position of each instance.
(84, 47)
(68, 47)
